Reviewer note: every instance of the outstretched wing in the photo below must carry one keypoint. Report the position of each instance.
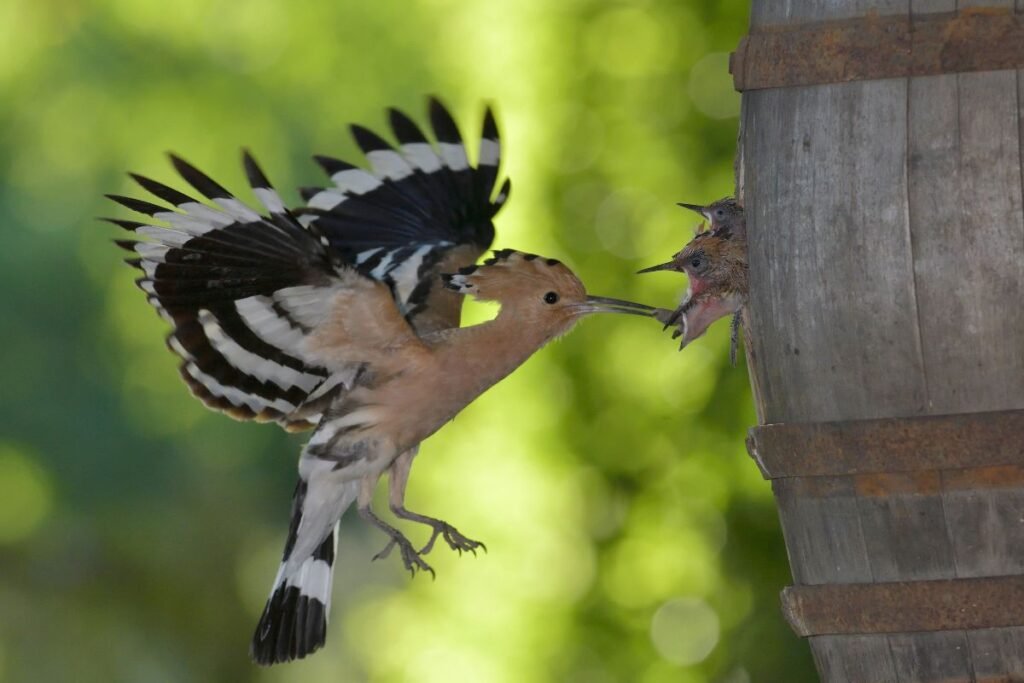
(419, 209)
(243, 292)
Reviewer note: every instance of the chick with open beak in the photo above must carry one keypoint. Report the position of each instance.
(715, 261)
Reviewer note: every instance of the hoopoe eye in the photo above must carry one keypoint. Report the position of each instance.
(551, 297)
(696, 262)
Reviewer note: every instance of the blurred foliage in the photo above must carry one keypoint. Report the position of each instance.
(630, 538)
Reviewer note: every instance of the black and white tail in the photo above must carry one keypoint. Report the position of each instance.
(294, 620)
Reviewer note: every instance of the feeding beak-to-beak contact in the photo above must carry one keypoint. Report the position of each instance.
(603, 304)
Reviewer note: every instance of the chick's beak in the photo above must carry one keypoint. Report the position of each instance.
(696, 208)
(669, 265)
(603, 304)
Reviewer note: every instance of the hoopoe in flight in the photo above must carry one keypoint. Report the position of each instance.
(343, 316)
(715, 261)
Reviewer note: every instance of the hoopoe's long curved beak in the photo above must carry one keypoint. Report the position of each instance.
(696, 208)
(603, 304)
(669, 265)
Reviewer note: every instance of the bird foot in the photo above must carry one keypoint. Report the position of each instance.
(411, 558)
(455, 540)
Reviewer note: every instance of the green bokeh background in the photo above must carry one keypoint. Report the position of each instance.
(630, 538)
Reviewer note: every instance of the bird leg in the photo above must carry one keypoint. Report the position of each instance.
(398, 477)
(734, 336)
(410, 557)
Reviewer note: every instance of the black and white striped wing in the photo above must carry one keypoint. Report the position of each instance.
(418, 202)
(241, 291)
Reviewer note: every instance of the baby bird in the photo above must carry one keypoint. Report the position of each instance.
(343, 316)
(725, 216)
(715, 261)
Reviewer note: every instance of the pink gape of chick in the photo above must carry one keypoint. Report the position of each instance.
(343, 316)
(715, 261)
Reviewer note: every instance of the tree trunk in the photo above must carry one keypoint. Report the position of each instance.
(886, 241)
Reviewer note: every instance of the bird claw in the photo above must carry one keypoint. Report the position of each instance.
(455, 540)
(410, 557)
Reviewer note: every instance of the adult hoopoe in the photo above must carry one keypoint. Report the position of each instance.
(344, 316)
(715, 261)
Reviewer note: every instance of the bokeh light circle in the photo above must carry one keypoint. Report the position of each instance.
(685, 630)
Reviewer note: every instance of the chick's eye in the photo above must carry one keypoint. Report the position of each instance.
(551, 297)
(696, 262)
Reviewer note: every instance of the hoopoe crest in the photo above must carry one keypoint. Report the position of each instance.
(540, 292)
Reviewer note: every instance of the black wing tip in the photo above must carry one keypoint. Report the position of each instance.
(490, 131)
(308, 193)
(138, 205)
(404, 128)
(367, 140)
(434, 102)
(253, 172)
(168, 194)
(332, 165)
(501, 198)
(292, 626)
(197, 179)
(130, 226)
(445, 129)
(179, 163)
